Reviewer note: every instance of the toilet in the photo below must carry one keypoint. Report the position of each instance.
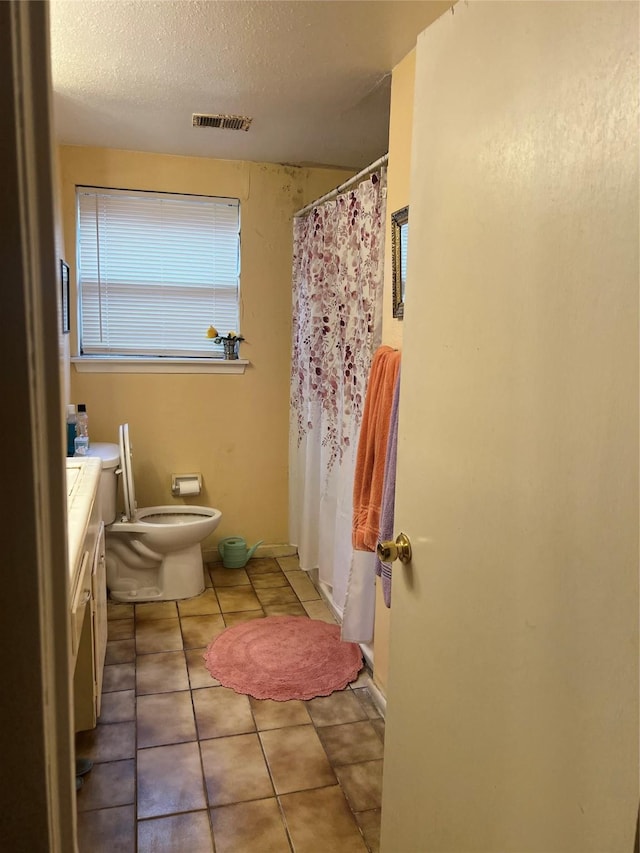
(153, 553)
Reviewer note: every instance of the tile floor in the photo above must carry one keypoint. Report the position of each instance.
(184, 765)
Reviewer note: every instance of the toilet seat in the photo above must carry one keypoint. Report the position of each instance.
(127, 473)
(154, 514)
(148, 519)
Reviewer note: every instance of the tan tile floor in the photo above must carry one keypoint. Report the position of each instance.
(184, 765)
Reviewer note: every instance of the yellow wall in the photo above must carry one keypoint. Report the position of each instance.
(398, 177)
(233, 429)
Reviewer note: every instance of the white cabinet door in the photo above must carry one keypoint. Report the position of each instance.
(80, 599)
(99, 613)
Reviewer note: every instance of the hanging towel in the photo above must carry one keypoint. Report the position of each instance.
(372, 448)
(383, 569)
(359, 609)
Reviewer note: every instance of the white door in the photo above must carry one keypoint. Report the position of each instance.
(512, 720)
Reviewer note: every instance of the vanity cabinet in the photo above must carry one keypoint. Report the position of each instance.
(89, 669)
(88, 593)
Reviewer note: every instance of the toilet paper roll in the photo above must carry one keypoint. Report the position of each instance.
(188, 487)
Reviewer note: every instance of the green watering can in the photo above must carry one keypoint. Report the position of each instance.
(234, 552)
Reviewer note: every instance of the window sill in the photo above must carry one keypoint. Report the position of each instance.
(98, 364)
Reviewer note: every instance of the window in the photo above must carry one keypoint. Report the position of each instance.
(154, 271)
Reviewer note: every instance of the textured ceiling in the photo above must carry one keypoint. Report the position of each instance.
(313, 74)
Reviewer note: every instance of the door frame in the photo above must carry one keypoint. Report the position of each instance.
(35, 714)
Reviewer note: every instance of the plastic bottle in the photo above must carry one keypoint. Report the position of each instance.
(71, 429)
(81, 443)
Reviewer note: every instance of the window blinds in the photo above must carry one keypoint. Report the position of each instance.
(155, 270)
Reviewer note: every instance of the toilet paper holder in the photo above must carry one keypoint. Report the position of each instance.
(183, 485)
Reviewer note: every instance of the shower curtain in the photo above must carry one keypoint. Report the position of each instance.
(338, 268)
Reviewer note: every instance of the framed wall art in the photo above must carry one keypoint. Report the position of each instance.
(399, 244)
(66, 314)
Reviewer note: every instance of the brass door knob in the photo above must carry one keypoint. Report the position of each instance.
(398, 550)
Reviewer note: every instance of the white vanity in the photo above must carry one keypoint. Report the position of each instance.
(87, 587)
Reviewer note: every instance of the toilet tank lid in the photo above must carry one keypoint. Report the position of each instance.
(109, 453)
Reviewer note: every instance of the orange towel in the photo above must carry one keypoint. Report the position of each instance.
(372, 449)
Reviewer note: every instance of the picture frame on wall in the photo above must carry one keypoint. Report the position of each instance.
(66, 314)
(399, 244)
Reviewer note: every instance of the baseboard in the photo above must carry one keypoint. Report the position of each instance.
(379, 699)
(377, 696)
(210, 555)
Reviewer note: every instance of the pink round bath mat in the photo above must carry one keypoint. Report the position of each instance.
(283, 657)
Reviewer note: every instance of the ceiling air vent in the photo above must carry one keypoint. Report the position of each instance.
(225, 122)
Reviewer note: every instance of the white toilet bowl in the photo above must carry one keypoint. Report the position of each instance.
(154, 553)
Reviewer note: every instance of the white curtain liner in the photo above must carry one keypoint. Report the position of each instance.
(358, 616)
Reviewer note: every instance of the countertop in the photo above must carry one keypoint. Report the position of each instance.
(83, 477)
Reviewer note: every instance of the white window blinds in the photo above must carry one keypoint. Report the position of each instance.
(155, 270)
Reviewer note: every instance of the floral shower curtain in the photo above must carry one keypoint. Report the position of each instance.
(338, 262)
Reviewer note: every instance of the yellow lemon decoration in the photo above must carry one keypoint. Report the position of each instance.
(212, 332)
(232, 335)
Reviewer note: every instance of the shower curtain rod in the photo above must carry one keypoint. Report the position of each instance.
(381, 161)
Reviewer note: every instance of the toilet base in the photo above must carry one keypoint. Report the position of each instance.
(179, 575)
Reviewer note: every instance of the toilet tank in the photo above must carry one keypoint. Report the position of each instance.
(110, 455)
